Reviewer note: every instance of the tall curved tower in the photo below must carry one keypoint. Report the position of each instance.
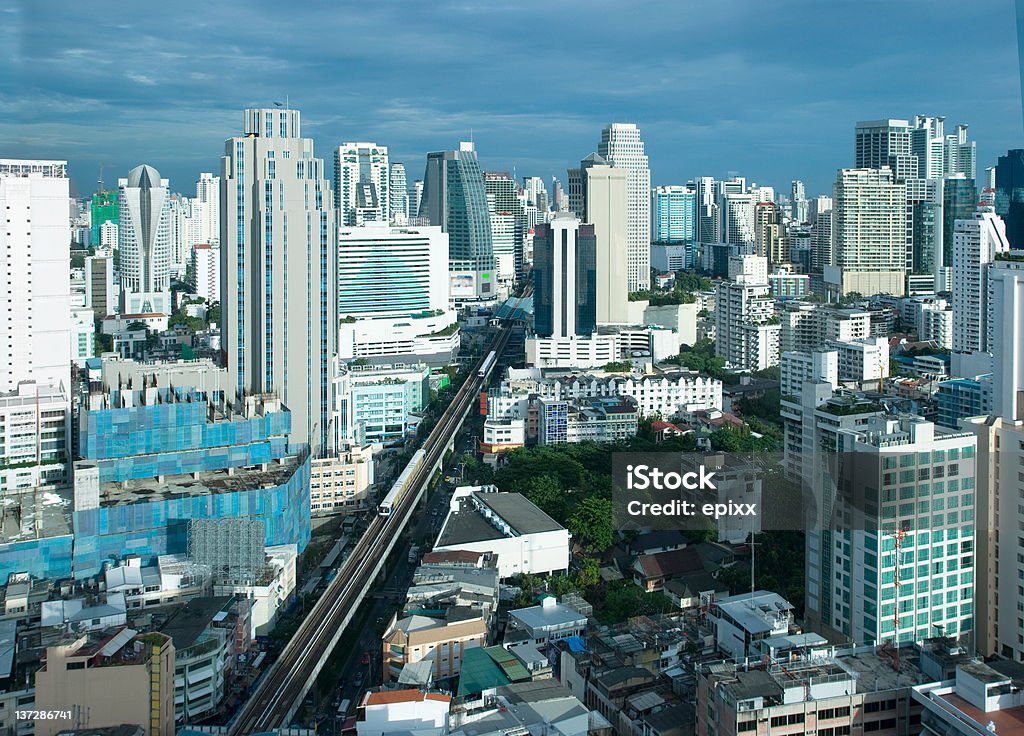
(144, 238)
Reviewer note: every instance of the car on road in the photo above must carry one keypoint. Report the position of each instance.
(358, 681)
(366, 658)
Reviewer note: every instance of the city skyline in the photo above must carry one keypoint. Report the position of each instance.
(696, 90)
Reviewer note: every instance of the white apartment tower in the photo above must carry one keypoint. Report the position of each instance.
(868, 233)
(976, 242)
(145, 242)
(744, 333)
(278, 269)
(622, 148)
(399, 194)
(206, 271)
(208, 202)
(362, 183)
(35, 283)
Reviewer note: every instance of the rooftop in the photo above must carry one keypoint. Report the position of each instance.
(755, 612)
(143, 490)
(470, 522)
(546, 615)
(191, 621)
(34, 514)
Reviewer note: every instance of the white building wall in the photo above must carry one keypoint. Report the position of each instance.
(535, 554)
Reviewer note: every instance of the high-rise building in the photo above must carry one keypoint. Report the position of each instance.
(145, 242)
(770, 234)
(565, 277)
(738, 223)
(102, 208)
(100, 289)
(399, 194)
(185, 219)
(390, 271)
(607, 210)
(455, 199)
(278, 269)
(1005, 333)
(1009, 195)
(959, 201)
(622, 147)
(508, 224)
(416, 199)
(821, 240)
(976, 242)
(36, 291)
(537, 194)
(927, 137)
(925, 221)
(208, 201)
(798, 201)
(879, 143)
(745, 334)
(868, 233)
(362, 190)
(673, 215)
(205, 271)
(577, 178)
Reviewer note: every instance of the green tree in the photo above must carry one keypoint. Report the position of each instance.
(546, 493)
(589, 574)
(591, 524)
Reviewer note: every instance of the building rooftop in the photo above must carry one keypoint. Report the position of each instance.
(35, 514)
(186, 626)
(755, 612)
(546, 615)
(144, 490)
(483, 516)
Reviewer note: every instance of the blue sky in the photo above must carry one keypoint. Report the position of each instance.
(770, 90)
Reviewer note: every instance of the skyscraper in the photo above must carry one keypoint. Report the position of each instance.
(399, 194)
(798, 201)
(537, 194)
(508, 224)
(278, 269)
(879, 143)
(868, 232)
(1010, 195)
(145, 242)
(577, 179)
(927, 137)
(1006, 335)
(771, 238)
(622, 147)
(606, 209)
(208, 199)
(36, 286)
(362, 190)
(976, 242)
(454, 198)
(959, 200)
(565, 277)
(673, 215)
(737, 212)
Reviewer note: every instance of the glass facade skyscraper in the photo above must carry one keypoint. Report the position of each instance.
(673, 215)
(455, 198)
(959, 200)
(565, 278)
(1010, 195)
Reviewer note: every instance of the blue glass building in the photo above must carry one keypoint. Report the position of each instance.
(1010, 195)
(673, 215)
(960, 398)
(154, 459)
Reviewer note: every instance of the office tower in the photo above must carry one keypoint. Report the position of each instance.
(416, 198)
(565, 277)
(1010, 195)
(455, 199)
(100, 289)
(577, 179)
(925, 225)
(537, 194)
(1005, 333)
(508, 224)
(278, 269)
(927, 143)
(821, 240)
(393, 295)
(35, 284)
(208, 201)
(145, 242)
(868, 233)
(386, 271)
(744, 309)
(205, 271)
(622, 148)
(960, 155)
(362, 190)
(959, 201)
(769, 233)
(673, 215)
(976, 243)
(879, 143)
(798, 201)
(607, 210)
(399, 194)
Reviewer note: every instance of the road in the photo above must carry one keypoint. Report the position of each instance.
(281, 690)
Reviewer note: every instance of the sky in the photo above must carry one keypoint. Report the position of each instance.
(768, 90)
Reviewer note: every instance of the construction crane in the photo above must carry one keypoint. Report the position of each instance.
(898, 535)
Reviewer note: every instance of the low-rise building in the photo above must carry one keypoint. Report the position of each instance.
(403, 711)
(546, 622)
(831, 694)
(537, 707)
(340, 483)
(743, 621)
(524, 538)
(981, 700)
(108, 678)
(442, 640)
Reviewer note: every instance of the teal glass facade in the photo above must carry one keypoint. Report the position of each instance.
(49, 557)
